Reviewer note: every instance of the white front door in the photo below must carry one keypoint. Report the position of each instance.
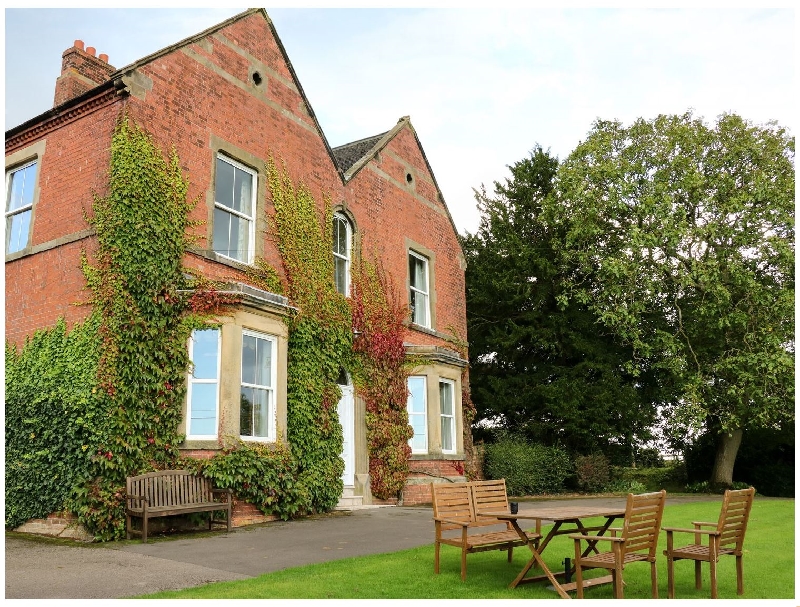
(346, 418)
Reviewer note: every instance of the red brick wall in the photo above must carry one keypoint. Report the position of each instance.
(193, 100)
(424, 472)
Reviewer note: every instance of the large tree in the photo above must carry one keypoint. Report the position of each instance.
(682, 238)
(537, 369)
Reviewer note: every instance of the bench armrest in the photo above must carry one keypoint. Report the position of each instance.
(450, 521)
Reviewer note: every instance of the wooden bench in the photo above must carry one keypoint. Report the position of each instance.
(172, 492)
(460, 508)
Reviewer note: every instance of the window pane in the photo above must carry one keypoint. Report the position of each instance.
(223, 186)
(204, 410)
(240, 238)
(419, 308)
(260, 413)
(248, 359)
(205, 349)
(447, 434)
(246, 412)
(264, 363)
(416, 399)
(416, 271)
(340, 236)
(242, 191)
(446, 404)
(446, 397)
(17, 229)
(222, 227)
(20, 192)
(340, 274)
(254, 412)
(256, 361)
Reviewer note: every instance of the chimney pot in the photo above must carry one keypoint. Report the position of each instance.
(79, 44)
(90, 50)
(104, 58)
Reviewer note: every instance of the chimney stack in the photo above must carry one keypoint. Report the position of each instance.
(81, 71)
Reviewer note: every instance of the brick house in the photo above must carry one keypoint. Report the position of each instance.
(226, 99)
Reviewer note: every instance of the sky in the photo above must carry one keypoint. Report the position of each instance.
(482, 86)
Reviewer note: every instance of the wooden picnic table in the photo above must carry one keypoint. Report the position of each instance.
(565, 520)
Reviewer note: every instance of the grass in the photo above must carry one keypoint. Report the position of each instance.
(769, 569)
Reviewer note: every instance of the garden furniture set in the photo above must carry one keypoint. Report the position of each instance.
(455, 507)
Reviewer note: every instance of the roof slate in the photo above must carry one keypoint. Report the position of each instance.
(350, 153)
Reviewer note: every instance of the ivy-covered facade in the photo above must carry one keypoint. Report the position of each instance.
(286, 316)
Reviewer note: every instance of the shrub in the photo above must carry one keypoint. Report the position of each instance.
(671, 477)
(593, 472)
(622, 485)
(528, 469)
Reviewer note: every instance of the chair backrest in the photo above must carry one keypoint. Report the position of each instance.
(452, 501)
(733, 517)
(643, 522)
(490, 496)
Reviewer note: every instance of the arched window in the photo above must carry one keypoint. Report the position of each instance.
(342, 252)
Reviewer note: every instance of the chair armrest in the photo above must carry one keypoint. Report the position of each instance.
(594, 538)
(700, 524)
(682, 530)
(451, 521)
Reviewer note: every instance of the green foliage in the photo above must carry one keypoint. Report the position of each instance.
(766, 460)
(52, 418)
(592, 472)
(137, 282)
(263, 475)
(622, 485)
(320, 338)
(381, 377)
(671, 477)
(528, 469)
(681, 237)
(536, 367)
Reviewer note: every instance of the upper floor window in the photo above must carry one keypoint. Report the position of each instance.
(342, 253)
(419, 290)
(235, 190)
(20, 184)
(418, 413)
(447, 411)
(257, 401)
(203, 388)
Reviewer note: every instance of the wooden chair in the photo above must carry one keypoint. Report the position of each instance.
(636, 542)
(725, 537)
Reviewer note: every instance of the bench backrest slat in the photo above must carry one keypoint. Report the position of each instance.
(166, 488)
(468, 501)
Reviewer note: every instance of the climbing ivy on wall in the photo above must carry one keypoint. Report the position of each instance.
(52, 415)
(320, 337)
(87, 408)
(147, 305)
(381, 376)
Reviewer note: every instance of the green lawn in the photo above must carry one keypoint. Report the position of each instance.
(769, 569)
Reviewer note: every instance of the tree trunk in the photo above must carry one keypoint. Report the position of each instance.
(727, 448)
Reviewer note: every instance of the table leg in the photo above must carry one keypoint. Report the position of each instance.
(535, 559)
